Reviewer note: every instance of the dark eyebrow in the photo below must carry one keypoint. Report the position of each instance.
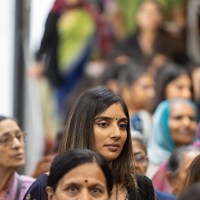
(110, 118)
(72, 184)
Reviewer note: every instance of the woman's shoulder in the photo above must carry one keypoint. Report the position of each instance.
(37, 190)
(145, 188)
(144, 183)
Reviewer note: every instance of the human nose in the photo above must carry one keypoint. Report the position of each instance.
(84, 195)
(137, 166)
(116, 132)
(186, 121)
(16, 143)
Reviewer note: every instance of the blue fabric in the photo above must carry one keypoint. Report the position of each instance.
(37, 190)
(161, 123)
(161, 144)
(136, 123)
(164, 196)
(71, 77)
(161, 127)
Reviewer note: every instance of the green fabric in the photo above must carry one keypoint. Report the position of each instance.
(129, 9)
(75, 27)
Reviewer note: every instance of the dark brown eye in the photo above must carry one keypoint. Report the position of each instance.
(122, 126)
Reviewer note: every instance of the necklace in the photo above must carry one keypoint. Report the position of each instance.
(116, 192)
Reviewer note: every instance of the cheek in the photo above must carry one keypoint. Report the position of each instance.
(170, 93)
(5, 161)
(173, 125)
(124, 137)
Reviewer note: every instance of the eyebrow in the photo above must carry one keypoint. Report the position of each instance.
(8, 133)
(111, 118)
(74, 184)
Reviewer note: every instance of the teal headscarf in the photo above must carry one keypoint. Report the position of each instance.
(162, 142)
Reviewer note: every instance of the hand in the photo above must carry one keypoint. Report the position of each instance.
(36, 70)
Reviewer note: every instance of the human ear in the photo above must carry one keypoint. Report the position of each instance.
(50, 192)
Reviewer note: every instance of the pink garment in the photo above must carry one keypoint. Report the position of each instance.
(160, 181)
(26, 182)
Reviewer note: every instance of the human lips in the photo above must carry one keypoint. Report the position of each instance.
(113, 147)
(18, 156)
(186, 132)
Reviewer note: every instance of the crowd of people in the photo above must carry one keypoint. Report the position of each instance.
(127, 99)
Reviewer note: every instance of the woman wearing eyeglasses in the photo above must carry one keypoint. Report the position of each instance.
(12, 185)
(141, 164)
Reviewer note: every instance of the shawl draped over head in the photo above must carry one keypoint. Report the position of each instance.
(162, 145)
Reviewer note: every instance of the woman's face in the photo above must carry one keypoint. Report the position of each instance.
(179, 88)
(140, 158)
(142, 92)
(11, 145)
(149, 16)
(86, 181)
(182, 123)
(110, 132)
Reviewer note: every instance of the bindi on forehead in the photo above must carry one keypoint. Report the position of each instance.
(110, 118)
(86, 181)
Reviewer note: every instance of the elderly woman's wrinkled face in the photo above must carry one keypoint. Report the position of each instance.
(140, 157)
(11, 144)
(182, 123)
(86, 181)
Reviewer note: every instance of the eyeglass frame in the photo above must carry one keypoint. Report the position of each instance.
(144, 157)
(10, 138)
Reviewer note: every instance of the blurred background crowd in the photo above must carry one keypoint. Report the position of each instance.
(147, 51)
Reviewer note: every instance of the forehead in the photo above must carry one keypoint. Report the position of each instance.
(115, 110)
(8, 125)
(88, 171)
(149, 5)
(177, 107)
(183, 79)
(137, 146)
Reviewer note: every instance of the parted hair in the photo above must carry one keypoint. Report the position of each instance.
(69, 160)
(78, 131)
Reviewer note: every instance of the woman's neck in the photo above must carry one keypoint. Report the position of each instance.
(118, 192)
(5, 177)
(148, 34)
(146, 41)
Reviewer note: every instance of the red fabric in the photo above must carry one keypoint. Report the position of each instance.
(61, 5)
